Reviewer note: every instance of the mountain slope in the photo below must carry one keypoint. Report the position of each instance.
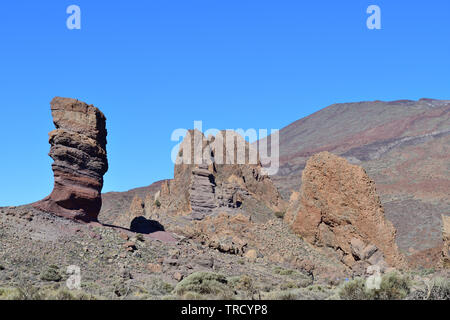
(403, 145)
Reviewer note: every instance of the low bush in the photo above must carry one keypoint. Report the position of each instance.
(283, 295)
(51, 274)
(36, 293)
(243, 284)
(283, 272)
(205, 283)
(9, 294)
(394, 286)
(279, 214)
(439, 289)
(159, 287)
(354, 290)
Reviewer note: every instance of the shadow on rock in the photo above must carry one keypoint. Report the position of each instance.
(145, 226)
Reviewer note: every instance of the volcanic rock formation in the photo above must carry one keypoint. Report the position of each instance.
(78, 148)
(338, 208)
(136, 210)
(221, 172)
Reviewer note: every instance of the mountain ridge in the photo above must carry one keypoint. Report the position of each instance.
(402, 144)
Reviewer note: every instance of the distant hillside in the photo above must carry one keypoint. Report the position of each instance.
(403, 145)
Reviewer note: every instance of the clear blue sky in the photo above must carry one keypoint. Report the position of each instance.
(156, 65)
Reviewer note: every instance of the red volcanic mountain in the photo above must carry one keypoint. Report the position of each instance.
(403, 145)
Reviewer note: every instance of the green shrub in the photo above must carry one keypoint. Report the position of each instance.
(157, 203)
(29, 293)
(9, 294)
(354, 290)
(283, 272)
(283, 295)
(310, 293)
(304, 281)
(65, 294)
(289, 285)
(427, 271)
(159, 287)
(279, 214)
(203, 283)
(244, 284)
(193, 296)
(35, 293)
(51, 274)
(394, 286)
(439, 289)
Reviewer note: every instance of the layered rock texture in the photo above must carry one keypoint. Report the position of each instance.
(446, 240)
(338, 208)
(78, 148)
(215, 174)
(403, 145)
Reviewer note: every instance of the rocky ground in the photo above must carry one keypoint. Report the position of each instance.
(263, 260)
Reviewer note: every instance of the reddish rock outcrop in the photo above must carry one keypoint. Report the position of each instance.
(213, 173)
(137, 209)
(338, 208)
(78, 148)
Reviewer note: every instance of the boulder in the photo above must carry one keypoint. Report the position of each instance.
(338, 207)
(359, 268)
(357, 247)
(251, 255)
(368, 251)
(154, 268)
(78, 148)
